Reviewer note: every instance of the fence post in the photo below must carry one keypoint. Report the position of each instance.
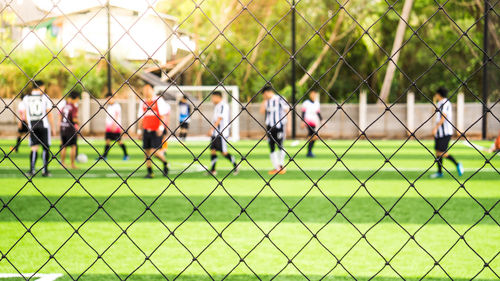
(410, 112)
(362, 110)
(132, 114)
(86, 112)
(235, 110)
(460, 113)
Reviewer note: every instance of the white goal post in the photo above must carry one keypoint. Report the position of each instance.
(230, 93)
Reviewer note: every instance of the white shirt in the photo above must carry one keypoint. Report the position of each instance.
(37, 105)
(21, 109)
(113, 118)
(311, 110)
(221, 110)
(276, 110)
(163, 107)
(446, 129)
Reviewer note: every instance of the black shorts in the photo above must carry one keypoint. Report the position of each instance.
(68, 138)
(150, 140)
(184, 125)
(311, 131)
(24, 128)
(113, 136)
(40, 136)
(275, 137)
(441, 144)
(218, 144)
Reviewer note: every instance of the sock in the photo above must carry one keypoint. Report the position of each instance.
(440, 164)
(164, 165)
(45, 158)
(274, 160)
(310, 146)
(282, 155)
(33, 157)
(231, 158)
(214, 161)
(106, 149)
(452, 159)
(150, 170)
(124, 148)
(18, 142)
(182, 135)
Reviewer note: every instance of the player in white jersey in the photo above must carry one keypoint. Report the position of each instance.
(442, 131)
(311, 118)
(219, 132)
(277, 121)
(39, 118)
(114, 130)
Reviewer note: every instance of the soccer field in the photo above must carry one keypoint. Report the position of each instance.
(357, 218)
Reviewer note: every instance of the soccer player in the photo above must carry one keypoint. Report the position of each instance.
(184, 112)
(113, 128)
(22, 128)
(39, 118)
(69, 127)
(152, 115)
(219, 132)
(275, 109)
(311, 117)
(442, 131)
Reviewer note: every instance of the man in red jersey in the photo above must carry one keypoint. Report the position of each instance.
(152, 114)
(69, 127)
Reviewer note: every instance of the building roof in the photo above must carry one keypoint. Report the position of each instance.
(33, 13)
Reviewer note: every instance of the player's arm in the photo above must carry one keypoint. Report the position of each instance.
(51, 121)
(262, 109)
(303, 123)
(75, 121)
(215, 125)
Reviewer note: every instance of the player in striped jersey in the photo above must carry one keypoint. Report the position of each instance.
(277, 121)
(22, 128)
(39, 118)
(312, 119)
(443, 130)
(219, 133)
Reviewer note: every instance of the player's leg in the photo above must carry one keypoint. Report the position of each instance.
(63, 156)
(458, 165)
(272, 138)
(214, 147)
(311, 133)
(228, 156)
(33, 158)
(73, 156)
(46, 152)
(438, 148)
(124, 149)
(148, 156)
(158, 151)
(282, 153)
(107, 146)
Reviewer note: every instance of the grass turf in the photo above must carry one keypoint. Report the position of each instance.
(349, 204)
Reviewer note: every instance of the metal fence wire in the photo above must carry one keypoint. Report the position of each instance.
(297, 19)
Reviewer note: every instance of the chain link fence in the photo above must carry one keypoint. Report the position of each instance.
(361, 212)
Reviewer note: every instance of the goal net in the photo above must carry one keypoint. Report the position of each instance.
(199, 97)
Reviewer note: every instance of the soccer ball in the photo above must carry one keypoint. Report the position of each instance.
(82, 158)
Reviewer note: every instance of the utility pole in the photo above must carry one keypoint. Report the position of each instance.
(294, 89)
(110, 81)
(485, 71)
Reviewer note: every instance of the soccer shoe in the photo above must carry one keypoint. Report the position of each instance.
(460, 169)
(149, 176)
(126, 158)
(236, 170)
(30, 174)
(46, 175)
(165, 171)
(436, 175)
(273, 172)
(213, 173)
(310, 155)
(282, 171)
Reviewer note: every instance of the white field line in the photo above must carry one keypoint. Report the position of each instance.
(39, 276)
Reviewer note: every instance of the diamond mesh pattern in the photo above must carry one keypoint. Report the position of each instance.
(265, 216)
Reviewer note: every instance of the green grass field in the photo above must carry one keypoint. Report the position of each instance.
(324, 219)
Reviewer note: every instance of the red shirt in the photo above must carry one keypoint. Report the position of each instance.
(497, 143)
(151, 119)
(69, 113)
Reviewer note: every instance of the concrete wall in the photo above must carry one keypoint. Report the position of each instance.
(342, 122)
